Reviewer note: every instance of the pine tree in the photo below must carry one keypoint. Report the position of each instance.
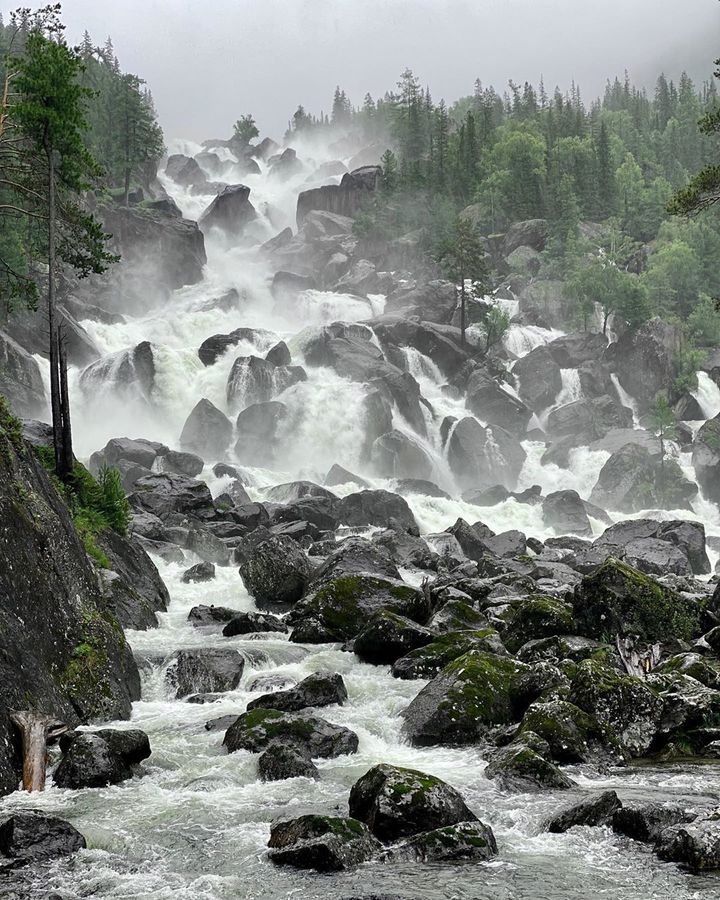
(605, 173)
(49, 113)
(462, 256)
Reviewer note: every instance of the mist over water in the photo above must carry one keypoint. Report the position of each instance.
(196, 825)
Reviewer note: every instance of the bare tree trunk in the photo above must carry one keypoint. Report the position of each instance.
(36, 730)
(55, 399)
(67, 449)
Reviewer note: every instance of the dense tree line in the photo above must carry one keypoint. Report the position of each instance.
(70, 122)
(617, 162)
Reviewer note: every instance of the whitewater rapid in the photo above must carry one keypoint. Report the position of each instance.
(195, 825)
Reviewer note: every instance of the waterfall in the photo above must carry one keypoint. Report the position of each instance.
(521, 339)
(707, 395)
(626, 400)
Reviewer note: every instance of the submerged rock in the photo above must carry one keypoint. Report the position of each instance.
(318, 689)
(695, 845)
(279, 762)
(206, 670)
(28, 837)
(465, 841)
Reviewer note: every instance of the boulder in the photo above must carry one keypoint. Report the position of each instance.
(635, 478)
(276, 571)
(598, 809)
(318, 689)
(129, 373)
(257, 429)
(395, 455)
(253, 380)
(257, 729)
(564, 512)
(206, 670)
(532, 233)
(217, 345)
(435, 301)
(644, 359)
(231, 211)
(203, 571)
(495, 404)
(695, 845)
(344, 199)
(279, 355)
(163, 494)
(89, 762)
(572, 736)
(483, 457)
(252, 623)
(469, 696)
(397, 803)
(375, 507)
(207, 431)
(645, 821)
(624, 704)
(706, 459)
(279, 762)
(339, 608)
(180, 463)
(388, 636)
(519, 767)
(538, 378)
(323, 843)
(615, 599)
(587, 420)
(428, 660)
(30, 837)
(530, 618)
(466, 841)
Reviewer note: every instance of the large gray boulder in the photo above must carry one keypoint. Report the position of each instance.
(322, 843)
(257, 430)
(644, 359)
(230, 211)
(395, 455)
(564, 511)
(495, 404)
(482, 457)
(207, 431)
(538, 378)
(276, 571)
(255, 380)
(345, 199)
(205, 671)
(706, 458)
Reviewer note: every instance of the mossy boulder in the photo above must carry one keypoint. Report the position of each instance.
(695, 845)
(572, 735)
(427, 661)
(466, 841)
(388, 636)
(279, 762)
(257, 729)
(339, 608)
(395, 802)
(644, 821)
(458, 615)
(520, 768)
(276, 571)
(535, 617)
(687, 705)
(615, 599)
(471, 694)
(701, 668)
(318, 689)
(323, 843)
(629, 707)
(564, 647)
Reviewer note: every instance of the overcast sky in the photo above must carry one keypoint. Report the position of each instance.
(207, 61)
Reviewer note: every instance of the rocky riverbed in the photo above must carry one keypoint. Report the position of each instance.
(470, 549)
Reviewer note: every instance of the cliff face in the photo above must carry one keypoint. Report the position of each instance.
(62, 650)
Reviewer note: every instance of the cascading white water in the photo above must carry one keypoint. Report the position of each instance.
(627, 400)
(707, 395)
(521, 339)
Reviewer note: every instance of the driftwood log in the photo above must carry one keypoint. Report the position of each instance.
(37, 731)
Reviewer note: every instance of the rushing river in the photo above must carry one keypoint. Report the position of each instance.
(196, 823)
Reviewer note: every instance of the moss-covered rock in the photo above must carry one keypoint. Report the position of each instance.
(572, 735)
(257, 729)
(395, 802)
(629, 707)
(520, 768)
(339, 608)
(323, 843)
(426, 662)
(695, 845)
(701, 668)
(687, 705)
(467, 841)
(470, 695)
(457, 615)
(535, 617)
(615, 599)
(565, 647)
(388, 636)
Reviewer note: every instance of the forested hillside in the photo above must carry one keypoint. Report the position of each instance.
(602, 173)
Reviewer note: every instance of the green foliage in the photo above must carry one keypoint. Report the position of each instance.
(687, 362)
(616, 293)
(245, 129)
(95, 505)
(704, 322)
